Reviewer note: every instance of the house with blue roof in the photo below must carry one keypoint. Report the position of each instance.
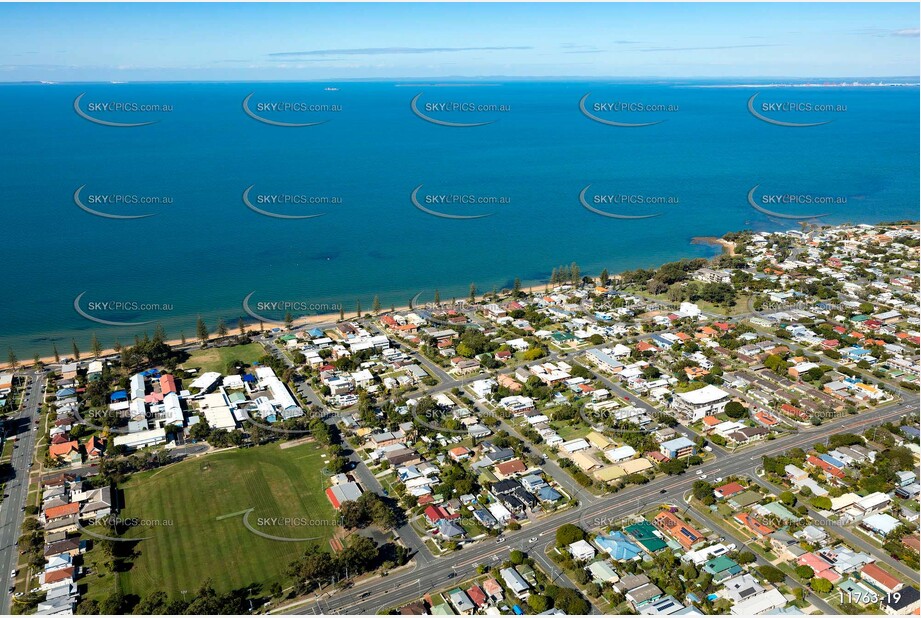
(679, 447)
(831, 460)
(618, 546)
(548, 494)
(856, 353)
(118, 396)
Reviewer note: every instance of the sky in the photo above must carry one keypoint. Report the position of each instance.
(250, 41)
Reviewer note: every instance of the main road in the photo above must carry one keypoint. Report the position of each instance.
(17, 488)
(379, 593)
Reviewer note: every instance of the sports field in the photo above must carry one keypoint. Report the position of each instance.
(203, 501)
(216, 359)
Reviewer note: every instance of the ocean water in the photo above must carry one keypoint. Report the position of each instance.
(203, 250)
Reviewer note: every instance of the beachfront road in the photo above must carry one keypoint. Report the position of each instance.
(17, 487)
(380, 593)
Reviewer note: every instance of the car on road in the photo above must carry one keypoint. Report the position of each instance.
(662, 491)
(719, 479)
(703, 476)
(364, 595)
(533, 539)
(699, 472)
(13, 573)
(452, 575)
(501, 539)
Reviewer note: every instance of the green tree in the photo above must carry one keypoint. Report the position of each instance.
(57, 355)
(820, 585)
(95, 346)
(201, 330)
(771, 573)
(568, 534)
(74, 349)
(221, 328)
(734, 409)
(472, 292)
(539, 603)
(376, 305)
(804, 571)
(11, 359)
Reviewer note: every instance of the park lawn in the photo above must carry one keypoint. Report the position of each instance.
(216, 359)
(200, 543)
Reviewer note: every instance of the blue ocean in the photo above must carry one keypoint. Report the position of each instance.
(524, 155)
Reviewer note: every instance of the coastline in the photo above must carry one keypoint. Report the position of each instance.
(729, 247)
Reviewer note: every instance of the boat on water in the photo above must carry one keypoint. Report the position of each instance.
(331, 89)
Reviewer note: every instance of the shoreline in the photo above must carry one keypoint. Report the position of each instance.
(729, 247)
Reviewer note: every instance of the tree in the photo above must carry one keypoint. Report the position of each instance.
(516, 556)
(341, 313)
(539, 603)
(568, 534)
(771, 573)
(804, 571)
(358, 308)
(11, 359)
(201, 330)
(734, 409)
(517, 287)
(472, 292)
(114, 604)
(241, 326)
(289, 320)
(159, 333)
(182, 337)
(787, 498)
(221, 328)
(745, 557)
(437, 298)
(820, 585)
(605, 277)
(74, 349)
(57, 355)
(376, 304)
(95, 346)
